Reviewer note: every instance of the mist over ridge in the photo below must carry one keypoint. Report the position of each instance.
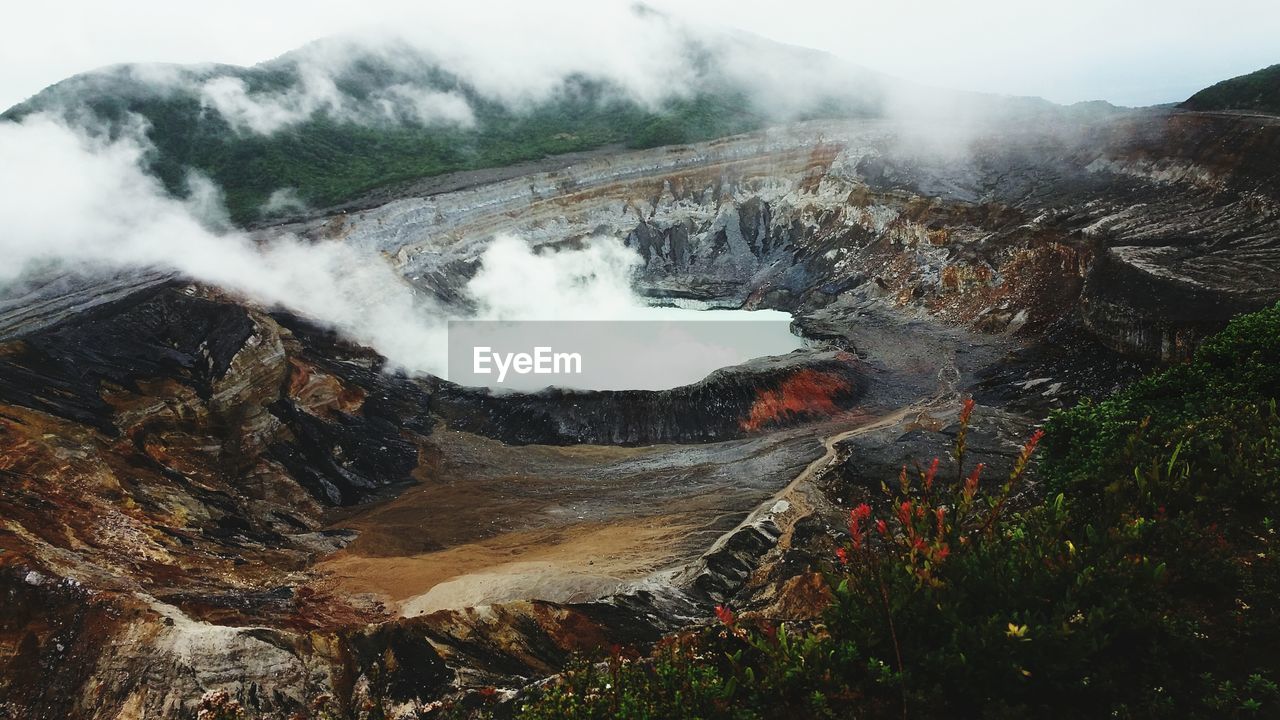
(157, 166)
(340, 117)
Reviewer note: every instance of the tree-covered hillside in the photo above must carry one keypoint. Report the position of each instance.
(333, 151)
(1258, 92)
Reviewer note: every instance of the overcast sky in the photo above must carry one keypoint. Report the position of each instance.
(1134, 52)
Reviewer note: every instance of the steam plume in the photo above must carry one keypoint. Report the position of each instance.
(85, 203)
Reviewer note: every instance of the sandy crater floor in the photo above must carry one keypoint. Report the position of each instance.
(570, 523)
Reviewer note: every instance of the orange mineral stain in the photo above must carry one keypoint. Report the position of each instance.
(808, 391)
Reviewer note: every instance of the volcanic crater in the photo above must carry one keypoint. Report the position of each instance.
(200, 491)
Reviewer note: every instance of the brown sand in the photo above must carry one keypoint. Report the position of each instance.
(579, 562)
(491, 523)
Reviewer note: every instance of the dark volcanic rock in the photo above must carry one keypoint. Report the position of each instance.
(1161, 302)
(157, 333)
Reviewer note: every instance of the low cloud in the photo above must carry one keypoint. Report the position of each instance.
(265, 113)
(514, 60)
(316, 92)
(439, 66)
(428, 107)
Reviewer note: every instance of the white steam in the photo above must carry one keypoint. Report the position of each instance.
(592, 283)
(283, 201)
(88, 204)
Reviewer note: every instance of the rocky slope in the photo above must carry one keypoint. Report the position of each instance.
(168, 460)
(199, 495)
(997, 229)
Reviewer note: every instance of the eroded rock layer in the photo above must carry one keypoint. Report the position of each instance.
(996, 229)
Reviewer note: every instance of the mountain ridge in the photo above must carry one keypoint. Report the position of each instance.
(340, 117)
(1258, 91)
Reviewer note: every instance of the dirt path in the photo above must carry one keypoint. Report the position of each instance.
(799, 493)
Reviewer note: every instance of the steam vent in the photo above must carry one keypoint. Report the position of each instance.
(237, 481)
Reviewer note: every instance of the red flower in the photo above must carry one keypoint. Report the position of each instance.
(933, 471)
(882, 527)
(941, 513)
(1024, 457)
(904, 513)
(971, 482)
(843, 556)
(1034, 440)
(725, 615)
(856, 517)
(966, 410)
(942, 553)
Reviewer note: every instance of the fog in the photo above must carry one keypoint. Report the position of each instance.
(1133, 53)
(87, 203)
(75, 192)
(316, 92)
(646, 56)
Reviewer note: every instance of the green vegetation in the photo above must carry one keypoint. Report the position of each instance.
(353, 124)
(329, 159)
(1142, 584)
(1258, 91)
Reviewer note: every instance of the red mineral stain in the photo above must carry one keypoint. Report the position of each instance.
(807, 392)
(322, 394)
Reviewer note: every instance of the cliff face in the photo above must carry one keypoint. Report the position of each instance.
(1199, 244)
(198, 495)
(979, 230)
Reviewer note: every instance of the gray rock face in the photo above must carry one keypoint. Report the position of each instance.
(1179, 209)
